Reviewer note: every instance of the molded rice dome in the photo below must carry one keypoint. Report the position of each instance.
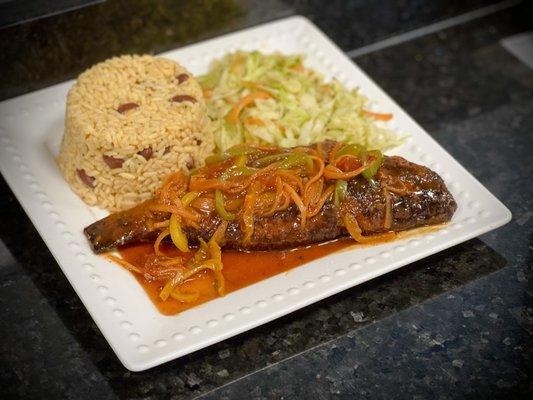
(131, 121)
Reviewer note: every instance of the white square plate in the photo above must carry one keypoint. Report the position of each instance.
(141, 337)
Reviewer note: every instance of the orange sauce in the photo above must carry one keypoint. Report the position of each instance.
(241, 269)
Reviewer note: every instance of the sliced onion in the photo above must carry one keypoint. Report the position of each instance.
(388, 209)
(355, 231)
(176, 233)
(185, 297)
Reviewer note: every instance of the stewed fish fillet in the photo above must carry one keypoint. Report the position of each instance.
(270, 198)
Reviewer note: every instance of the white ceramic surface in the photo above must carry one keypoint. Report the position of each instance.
(31, 126)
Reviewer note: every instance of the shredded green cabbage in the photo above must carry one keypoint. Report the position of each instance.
(295, 105)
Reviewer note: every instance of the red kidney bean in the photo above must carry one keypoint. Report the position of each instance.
(146, 153)
(126, 107)
(88, 180)
(113, 162)
(182, 78)
(180, 98)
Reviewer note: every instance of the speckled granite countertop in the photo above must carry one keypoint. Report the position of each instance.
(455, 325)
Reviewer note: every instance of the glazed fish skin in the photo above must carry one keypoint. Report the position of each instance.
(419, 198)
(123, 227)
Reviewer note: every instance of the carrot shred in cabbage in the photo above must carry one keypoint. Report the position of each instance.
(378, 116)
(233, 115)
(297, 105)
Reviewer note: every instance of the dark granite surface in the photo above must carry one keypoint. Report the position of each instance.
(455, 325)
(14, 12)
(116, 27)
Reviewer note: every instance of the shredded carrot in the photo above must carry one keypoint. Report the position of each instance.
(320, 151)
(159, 225)
(318, 175)
(233, 115)
(378, 116)
(352, 226)
(281, 127)
(334, 151)
(298, 201)
(158, 241)
(172, 262)
(262, 172)
(312, 193)
(254, 121)
(277, 199)
(201, 185)
(327, 194)
(331, 172)
(122, 263)
(229, 100)
(286, 202)
(298, 67)
(290, 177)
(175, 209)
(254, 85)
